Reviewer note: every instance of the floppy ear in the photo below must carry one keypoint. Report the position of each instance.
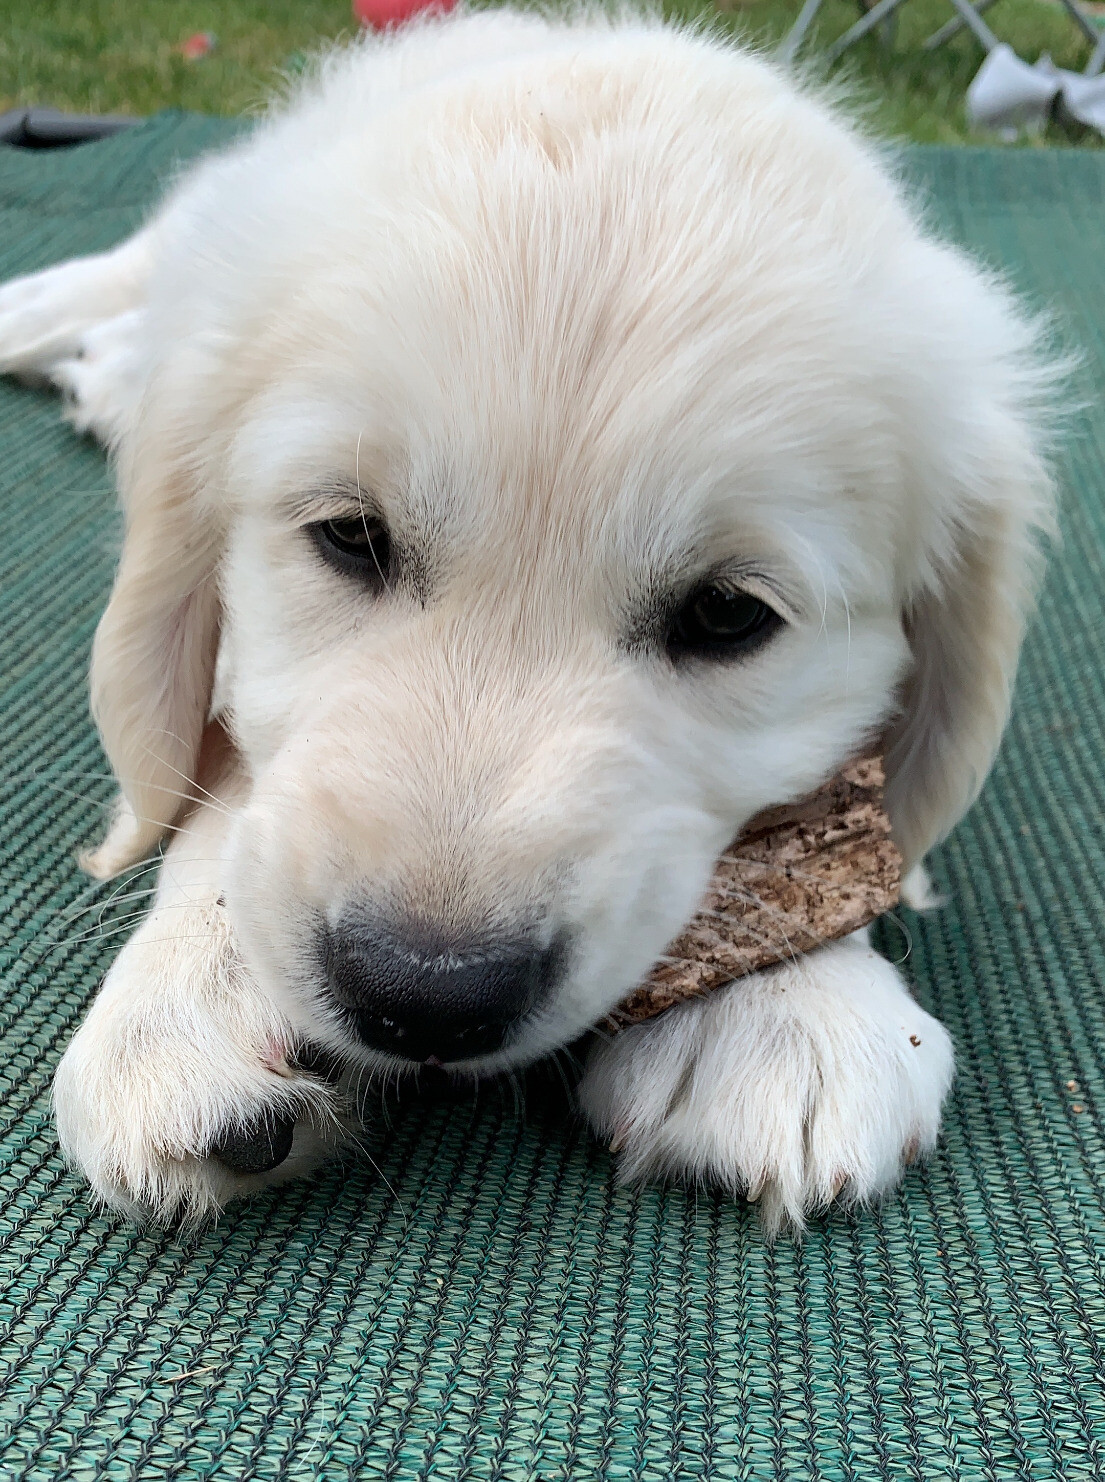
(964, 615)
(153, 658)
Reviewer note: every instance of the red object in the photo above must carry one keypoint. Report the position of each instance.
(380, 14)
(202, 44)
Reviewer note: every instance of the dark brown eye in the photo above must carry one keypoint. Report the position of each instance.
(717, 622)
(360, 545)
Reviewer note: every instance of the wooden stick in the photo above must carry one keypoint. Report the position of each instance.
(795, 878)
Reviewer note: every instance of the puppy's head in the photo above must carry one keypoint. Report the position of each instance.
(537, 488)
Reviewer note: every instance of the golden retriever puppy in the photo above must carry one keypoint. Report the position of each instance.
(543, 444)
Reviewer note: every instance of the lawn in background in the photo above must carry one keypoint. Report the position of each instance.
(107, 56)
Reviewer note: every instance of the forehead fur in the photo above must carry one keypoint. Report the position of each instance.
(572, 276)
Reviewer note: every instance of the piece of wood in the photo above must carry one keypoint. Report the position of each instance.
(795, 878)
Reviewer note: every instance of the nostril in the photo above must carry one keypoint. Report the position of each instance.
(422, 999)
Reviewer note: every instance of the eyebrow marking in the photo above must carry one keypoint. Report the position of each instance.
(767, 585)
(337, 499)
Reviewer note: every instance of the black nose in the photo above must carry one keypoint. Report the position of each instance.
(430, 1000)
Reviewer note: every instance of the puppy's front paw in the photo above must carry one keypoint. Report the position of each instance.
(44, 315)
(102, 383)
(810, 1082)
(177, 1093)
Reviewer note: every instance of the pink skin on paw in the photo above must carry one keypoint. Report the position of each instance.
(275, 1058)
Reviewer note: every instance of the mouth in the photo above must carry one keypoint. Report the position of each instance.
(547, 1081)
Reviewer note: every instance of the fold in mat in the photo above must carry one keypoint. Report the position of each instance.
(485, 1302)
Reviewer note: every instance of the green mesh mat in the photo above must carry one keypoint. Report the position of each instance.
(493, 1306)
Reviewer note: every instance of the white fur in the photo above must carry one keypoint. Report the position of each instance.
(181, 1045)
(585, 310)
(813, 1081)
(47, 316)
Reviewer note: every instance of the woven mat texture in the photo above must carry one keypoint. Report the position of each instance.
(495, 1306)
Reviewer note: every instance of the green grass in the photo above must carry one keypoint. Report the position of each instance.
(105, 56)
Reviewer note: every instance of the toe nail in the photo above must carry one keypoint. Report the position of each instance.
(911, 1152)
(755, 1190)
(617, 1142)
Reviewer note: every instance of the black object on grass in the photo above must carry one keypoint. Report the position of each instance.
(49, 128)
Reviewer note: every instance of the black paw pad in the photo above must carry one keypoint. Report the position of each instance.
(255, 1148)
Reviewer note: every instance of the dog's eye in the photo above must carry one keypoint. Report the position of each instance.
(718, 622)
(359, 542)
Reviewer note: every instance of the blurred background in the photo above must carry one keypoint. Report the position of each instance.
(138, 56)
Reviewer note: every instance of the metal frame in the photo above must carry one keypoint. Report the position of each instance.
(968, 15)
(1093, 34)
